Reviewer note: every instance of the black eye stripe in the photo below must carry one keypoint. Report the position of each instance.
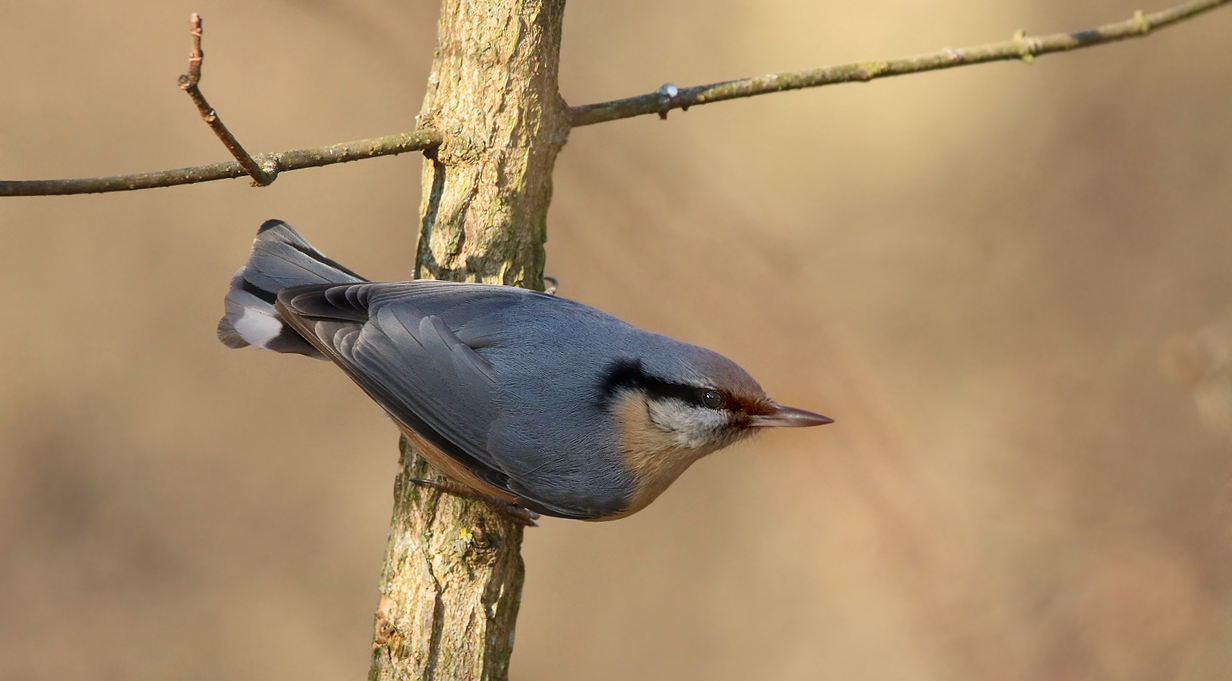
(629, 374)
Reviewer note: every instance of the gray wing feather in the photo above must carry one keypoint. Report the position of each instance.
(433, 374)
(412, 362)
(415, 354)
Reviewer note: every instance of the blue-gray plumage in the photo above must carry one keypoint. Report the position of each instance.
(536, 400)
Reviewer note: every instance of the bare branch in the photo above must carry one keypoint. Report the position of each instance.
(263, 169)
(659, 102)
(1020, 47)
(189, 83)
(275, 162)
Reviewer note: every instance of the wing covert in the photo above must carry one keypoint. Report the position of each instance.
(412, 347)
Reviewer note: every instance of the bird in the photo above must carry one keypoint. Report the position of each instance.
(529, 400)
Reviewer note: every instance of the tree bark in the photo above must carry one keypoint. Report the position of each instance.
(452, 579)
(493, 92)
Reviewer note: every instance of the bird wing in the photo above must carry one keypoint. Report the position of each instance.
(412, 347)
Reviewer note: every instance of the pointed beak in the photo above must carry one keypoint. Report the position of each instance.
(788, 417)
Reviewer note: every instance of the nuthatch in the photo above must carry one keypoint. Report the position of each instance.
(538, 401)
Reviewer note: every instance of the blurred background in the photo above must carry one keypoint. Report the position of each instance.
(1011, 285)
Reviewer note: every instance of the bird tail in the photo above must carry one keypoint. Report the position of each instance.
(280, 258)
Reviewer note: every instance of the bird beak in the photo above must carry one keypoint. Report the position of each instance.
(789, 418)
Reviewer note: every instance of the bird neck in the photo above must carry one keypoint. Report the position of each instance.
(652, 456)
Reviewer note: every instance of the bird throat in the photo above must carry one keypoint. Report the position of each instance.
(652, 456)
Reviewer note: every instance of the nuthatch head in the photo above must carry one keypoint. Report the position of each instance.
(535, 400)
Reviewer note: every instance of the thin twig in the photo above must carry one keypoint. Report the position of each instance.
(189, 83)
(279, 161)
(659, 102)
(1020, 47)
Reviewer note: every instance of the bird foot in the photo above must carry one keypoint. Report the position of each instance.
(505, 509)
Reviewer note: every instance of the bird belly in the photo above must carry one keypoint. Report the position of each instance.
(449, 467)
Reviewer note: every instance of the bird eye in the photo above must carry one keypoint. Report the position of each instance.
(712, 399)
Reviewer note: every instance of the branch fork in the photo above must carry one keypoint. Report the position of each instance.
(262, 174)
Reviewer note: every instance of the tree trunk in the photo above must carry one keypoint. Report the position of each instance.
(452, 579)
(493, 92)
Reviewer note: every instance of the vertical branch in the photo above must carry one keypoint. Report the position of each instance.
(493, 92)
(450, 588)
(452, 580)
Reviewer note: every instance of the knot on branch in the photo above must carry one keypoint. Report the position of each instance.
(1141, 23)
(460, 146)
(1027, 47)
(666, 93)
(269, 165)
(870, 70)
(385, 631)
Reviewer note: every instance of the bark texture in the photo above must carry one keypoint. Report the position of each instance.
(493, 92)
(452, 580)
(450, 588)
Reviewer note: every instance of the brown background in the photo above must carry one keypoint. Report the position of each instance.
(975, 272)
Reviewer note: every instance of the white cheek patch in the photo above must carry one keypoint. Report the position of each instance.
(257, 327)
(690, 426)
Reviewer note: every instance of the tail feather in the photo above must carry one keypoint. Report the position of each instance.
(280, 258)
